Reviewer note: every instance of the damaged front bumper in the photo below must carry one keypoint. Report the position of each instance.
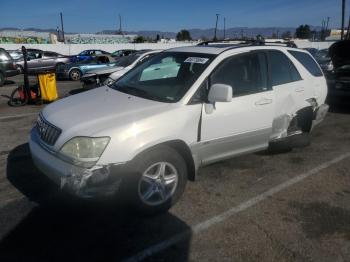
(98, 181)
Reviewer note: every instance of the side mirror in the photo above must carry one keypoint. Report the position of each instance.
(220, 93)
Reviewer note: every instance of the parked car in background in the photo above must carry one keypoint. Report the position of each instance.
(339, 77)
(90, 55)
(15, 54)
(311, 50)
(8, 66)
(324, 60)
(144, 137)
(106, 76)
(74, 71)
(123, 52)
(42, 61)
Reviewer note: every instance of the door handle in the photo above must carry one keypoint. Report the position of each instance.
(263, 101)
(299, 89)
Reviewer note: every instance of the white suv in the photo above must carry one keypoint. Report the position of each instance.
(147, 134)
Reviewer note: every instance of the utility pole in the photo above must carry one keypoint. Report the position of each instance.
(64, 41)
(342, 19)
(216, 26)
(120, 25)
(348, 31)
(328, 18)
(224, 28)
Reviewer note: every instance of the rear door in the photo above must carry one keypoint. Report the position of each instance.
(245, 123)
(287, 83)
(49, 60)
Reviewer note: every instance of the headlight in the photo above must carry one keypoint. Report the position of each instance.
(84, 151)
(109, 81)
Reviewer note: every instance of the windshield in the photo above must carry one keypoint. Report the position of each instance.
(166, 77)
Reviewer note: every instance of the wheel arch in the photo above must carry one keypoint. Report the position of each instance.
(183, 149)
(73, 68)
(304, 118)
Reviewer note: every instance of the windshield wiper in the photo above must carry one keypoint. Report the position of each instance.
(141, 93)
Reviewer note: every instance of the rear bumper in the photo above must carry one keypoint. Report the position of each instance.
(97, 181)
(319, 114)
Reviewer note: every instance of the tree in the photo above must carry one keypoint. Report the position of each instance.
(303, 32)
(139, 39)
(183, 35)
(286, 35)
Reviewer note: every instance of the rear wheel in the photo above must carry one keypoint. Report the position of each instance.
(18, 97)
(75, 74)
(58, 65)
(156, 181)
(298, 133)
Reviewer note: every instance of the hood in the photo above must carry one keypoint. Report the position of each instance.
(116, 75)
(99, 110)
(340, 53)
(105, 71)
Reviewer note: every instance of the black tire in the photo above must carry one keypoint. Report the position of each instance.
(16, 100)
(75, 74)
(58, 65)
(2, 79)
(140, 164)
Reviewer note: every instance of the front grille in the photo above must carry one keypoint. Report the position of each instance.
(47, 132)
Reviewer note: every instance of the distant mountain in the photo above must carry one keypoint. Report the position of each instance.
(49, 30)
(233, 32)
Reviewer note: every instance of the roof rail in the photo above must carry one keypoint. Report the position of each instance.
(253, 42)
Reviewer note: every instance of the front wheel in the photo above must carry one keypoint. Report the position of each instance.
(75, 74)
(157, 180)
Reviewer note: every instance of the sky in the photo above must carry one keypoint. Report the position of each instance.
(164, 15)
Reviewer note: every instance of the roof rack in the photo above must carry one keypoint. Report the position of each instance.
(253, 42)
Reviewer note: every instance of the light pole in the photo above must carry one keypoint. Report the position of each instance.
(342, 19)
(224, 28)
(216, 26)
(62, 28)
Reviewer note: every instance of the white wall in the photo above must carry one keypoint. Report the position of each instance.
(317, 45)
(73, 49)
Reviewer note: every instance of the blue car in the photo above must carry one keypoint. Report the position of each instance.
(74, 71)
(87, 55)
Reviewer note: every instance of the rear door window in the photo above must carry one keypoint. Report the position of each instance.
(307, 61)
(283, 70)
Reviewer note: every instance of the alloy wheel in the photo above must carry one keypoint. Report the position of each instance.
(158, 183)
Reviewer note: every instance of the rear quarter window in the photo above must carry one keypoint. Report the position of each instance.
(283, 70)
(307, 61)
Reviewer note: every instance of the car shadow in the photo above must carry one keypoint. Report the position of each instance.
(9, 82)
(57, 227)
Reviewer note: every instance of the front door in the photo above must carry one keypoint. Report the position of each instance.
(245, 123)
